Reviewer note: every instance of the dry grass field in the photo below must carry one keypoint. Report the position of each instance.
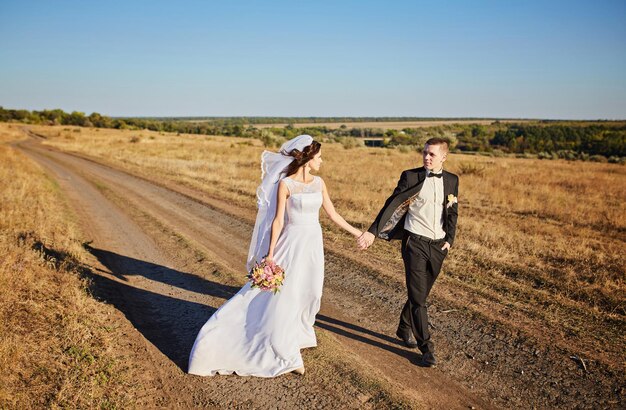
(540, 248)
(54, 338)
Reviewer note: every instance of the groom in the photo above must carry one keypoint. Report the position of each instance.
(422, 212)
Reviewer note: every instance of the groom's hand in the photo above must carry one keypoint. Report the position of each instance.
(365, 240)
(445, 247)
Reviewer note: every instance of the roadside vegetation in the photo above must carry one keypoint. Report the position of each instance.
(55, 339)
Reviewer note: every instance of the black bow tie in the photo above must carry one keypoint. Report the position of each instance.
(430, 174)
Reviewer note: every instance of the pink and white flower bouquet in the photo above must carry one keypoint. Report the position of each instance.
(267, 276)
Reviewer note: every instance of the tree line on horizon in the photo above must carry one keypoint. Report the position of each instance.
(292, 120)
(595, 140)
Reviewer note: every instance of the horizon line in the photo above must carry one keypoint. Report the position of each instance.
(388, 117)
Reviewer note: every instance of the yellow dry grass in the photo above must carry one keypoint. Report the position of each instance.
(540, 244)
(54, 340)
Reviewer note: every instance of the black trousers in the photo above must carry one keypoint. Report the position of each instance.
(422, 263)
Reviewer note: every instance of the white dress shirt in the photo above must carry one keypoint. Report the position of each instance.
(425, 214)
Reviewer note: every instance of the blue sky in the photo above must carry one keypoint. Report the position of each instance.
(520, 59)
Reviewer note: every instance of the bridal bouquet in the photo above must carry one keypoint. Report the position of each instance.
(266, 276)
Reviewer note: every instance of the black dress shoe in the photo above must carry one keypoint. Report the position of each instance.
(428, 359)
(407, 337)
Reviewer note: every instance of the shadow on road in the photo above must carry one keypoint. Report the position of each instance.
(168, 322)
(367, 336)
(171, 323)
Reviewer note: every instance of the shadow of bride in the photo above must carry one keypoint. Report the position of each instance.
(170, 320)
(123, 266)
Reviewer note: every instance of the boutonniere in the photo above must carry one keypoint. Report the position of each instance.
(451, 200)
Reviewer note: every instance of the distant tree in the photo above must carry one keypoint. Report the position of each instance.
(77, 118)
(100, 121)
(270, 140)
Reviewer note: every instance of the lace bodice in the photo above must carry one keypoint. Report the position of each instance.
(304, 201)
(296, 187)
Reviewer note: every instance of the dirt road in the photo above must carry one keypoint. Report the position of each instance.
(167, 256)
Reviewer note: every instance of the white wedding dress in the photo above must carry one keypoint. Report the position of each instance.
(258, 333)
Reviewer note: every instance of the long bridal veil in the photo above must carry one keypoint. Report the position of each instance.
(273, 165)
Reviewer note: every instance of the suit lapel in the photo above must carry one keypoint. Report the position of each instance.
(446, 188)
(420, 177)
(415, 185)
(446, 191)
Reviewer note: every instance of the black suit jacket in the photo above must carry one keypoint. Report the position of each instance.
(389, 224)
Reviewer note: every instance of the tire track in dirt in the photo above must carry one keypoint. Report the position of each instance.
(121, 246)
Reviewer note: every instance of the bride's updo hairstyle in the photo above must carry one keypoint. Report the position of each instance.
(301, 157)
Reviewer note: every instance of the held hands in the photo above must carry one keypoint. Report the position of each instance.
(365, 240)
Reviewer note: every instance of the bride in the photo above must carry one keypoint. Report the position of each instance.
(258, 333)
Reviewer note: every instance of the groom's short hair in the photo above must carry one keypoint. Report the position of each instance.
(439, 141)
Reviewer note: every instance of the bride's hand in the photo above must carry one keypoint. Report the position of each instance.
(269, 258)
(365, 241)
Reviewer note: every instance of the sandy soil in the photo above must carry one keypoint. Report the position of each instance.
(167, 256)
